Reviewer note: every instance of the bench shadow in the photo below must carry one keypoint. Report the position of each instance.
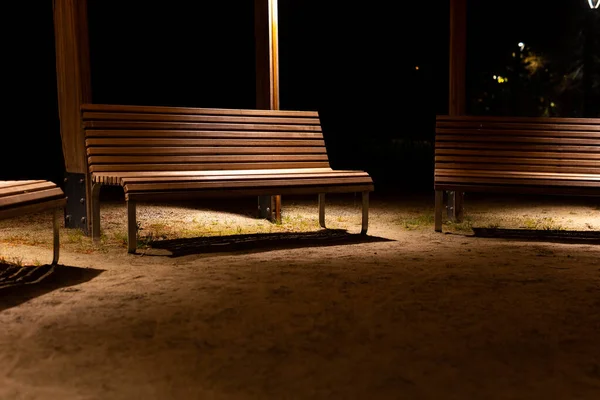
(554, 236)
(21, 284)
(259, 242)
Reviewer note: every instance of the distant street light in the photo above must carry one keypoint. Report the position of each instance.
(594, 4)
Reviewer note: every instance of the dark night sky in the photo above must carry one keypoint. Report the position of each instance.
(353, 62)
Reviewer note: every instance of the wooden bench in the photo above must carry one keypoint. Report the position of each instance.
(175, 153)
(554, 156)
(25, 197)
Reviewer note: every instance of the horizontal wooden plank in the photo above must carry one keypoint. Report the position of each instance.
(245, 192)
(199, 126)
(192, 110)
(4, 184)
(223, 136)
(516, 174)
(516, 122)
(244, 158)
(520, 189)
(477, 158)
(30, 208)
(250, 184)
(519, 154)
(244, 177)
(517, 181)
(516, 146)
(491, 140)
(206, 166)
(173, 151)
(34, 186)
(37, 196)
(520, 167)
(228, 119)
(508, 134)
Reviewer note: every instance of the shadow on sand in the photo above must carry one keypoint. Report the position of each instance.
(21, 284)
(555, 236)
(263, 242)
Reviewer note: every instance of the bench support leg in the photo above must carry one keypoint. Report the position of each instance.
(277, 208)
(96, 211)
(322, 210)
(365, 213)
(131, 227)
(439, 202)
(455, 206)
(56, 236)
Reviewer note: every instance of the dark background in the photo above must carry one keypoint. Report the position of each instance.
(354, 63)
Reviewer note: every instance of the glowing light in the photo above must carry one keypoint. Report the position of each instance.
(495, 77)
(417, 67)
(522, 45)
(594, 4)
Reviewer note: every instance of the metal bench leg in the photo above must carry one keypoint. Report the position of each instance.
(365, 213)
(131, 227)
(322, 210)
(56, 234)
(96, 211)
(439, 202)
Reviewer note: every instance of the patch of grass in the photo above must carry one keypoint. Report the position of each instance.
(18, 261)
(545, 223)
(466, 226)
(416, 222)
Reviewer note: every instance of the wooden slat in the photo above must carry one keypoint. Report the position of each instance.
(477, 158)
(515, 174)
(516, 146)
(243, 158)
(519, 154)
(241, 177)
(554, 121)
(206, 166)
(228, 119)
(245, 192)
(5, 184)
(173, 151)
(199, 126)
(516, 181)
(520, 189)
(236, 184)
(31, 187)
(513, 166)
(40, 195)
(116, 108)
(485, 140)
(204, 134)
(468, 134)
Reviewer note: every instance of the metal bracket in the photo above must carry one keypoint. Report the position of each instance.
(76, 210)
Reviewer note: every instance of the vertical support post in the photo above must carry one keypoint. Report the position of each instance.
(267, 81)
(131, 227)
(439, 203)
(322, 210)
(74, 88)
(365, 213)
(95, 200)
(56, 235)
(457, 98)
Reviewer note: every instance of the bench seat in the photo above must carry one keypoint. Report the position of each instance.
(176, 153)
(31, 196)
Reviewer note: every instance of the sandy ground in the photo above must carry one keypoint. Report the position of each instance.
(298, 313)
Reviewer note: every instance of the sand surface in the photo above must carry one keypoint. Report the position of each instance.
(297, 313)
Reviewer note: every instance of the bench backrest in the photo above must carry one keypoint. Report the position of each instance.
(559, 152)
(141, 138)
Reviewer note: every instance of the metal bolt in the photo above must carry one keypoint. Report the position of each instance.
(82, 200)
(83, 220)
(68, 218)
(81, 181)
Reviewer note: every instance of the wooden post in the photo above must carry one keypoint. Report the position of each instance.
(267, 81)
(74, 88)
(457, 100)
